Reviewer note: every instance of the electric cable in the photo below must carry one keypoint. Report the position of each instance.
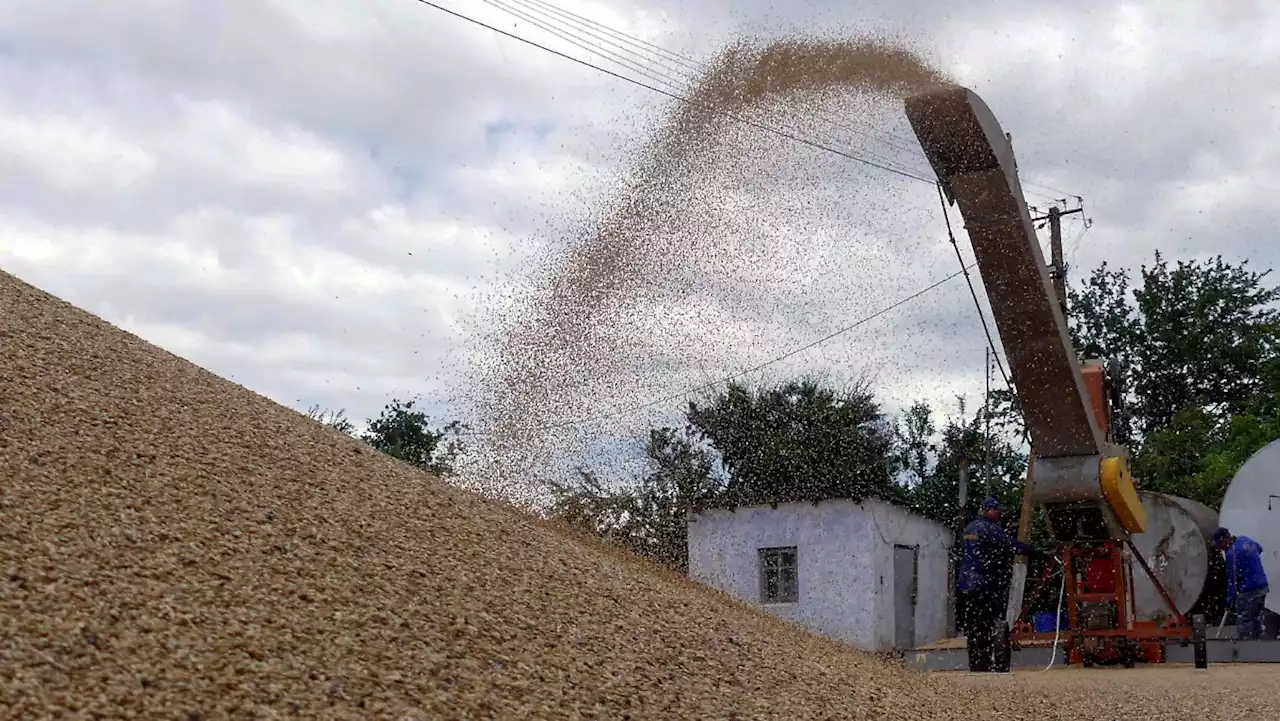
(681, 98)
(584, 21)
(981, 316)
(693, 65)
(675, 84)
(1057, 618)
(589, 46)
(668, 59)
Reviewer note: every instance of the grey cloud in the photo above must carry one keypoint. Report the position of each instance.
(400, 77)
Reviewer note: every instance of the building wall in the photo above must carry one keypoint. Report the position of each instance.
(896, 526)
(845, 564)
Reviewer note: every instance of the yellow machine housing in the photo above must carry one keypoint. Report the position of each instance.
(1121, 494)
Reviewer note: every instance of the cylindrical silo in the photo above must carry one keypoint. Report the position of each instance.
(1252, 508)
(1176, 546)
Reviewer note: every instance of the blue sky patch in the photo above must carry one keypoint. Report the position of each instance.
(497, 131)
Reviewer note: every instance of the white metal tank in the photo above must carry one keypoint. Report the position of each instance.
(1176, 546)
(1252, 508)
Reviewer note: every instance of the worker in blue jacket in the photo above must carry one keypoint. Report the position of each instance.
(983, 581)
(1246, 581)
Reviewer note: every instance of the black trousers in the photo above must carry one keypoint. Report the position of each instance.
(986, 631)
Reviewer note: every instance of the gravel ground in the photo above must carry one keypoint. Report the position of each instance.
(175, 546)
(1241, 691)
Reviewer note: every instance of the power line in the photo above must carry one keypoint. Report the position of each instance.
(721, 381)
(638, 42)
(986, 329)
(552, 14)
(1086, 224)
(681, 98)
(656, 76)
(555, 14)
(693, 65)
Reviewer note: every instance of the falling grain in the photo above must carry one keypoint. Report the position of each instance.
(588, 334)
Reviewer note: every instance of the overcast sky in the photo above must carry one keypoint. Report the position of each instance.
(328, 200)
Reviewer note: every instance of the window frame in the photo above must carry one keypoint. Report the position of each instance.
(774, 559)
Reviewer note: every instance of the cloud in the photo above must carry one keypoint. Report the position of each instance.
(335, 203)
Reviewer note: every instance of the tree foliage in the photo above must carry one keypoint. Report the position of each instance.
(995, 466)
(649, 517)
(1197, 453)
(1196, 334)
(797, 441)
(1199, 343)
(1208, 333)
(914, 444)
(405, 433)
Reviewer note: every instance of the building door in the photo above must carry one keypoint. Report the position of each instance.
(905, 584)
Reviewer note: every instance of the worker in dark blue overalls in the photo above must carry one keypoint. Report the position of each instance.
(1246, 581)
(983, 581)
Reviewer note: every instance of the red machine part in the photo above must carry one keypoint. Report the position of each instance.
(1100, 575)
(1100, 619)
(1101, 628)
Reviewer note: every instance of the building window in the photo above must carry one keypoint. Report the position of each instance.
(779, 582)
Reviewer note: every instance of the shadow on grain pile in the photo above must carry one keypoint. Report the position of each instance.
(175, 546)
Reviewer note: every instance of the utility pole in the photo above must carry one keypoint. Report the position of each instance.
(962, 502)
(1057, 266)
(1055, 254)
(986, 418)
(1058, 273)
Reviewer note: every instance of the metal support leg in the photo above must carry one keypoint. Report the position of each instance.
(1198, 637)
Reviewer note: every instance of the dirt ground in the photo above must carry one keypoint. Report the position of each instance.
(1246, 691)
(175, 546)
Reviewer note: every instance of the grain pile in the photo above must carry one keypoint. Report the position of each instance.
(587, 336)
(175, 546)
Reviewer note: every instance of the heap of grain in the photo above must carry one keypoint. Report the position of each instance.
(588, 334)
(173, 545)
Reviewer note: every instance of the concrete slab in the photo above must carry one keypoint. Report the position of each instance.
(957, 659)
(1228, 651)
(1220, 651)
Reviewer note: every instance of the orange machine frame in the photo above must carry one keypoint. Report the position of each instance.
(1095, 382)
(1102, 573)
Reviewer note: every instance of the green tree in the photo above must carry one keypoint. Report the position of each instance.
(915, 446)
(1103, 319)
(1196, 334)
(1208, 333)
(403, 432)
(648, 517)
(1196, 454)
(681, 479)
(798, 441)
(1198, 344)
(963, 439)
(588, 503)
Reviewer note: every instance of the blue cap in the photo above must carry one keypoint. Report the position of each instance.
(990, 503)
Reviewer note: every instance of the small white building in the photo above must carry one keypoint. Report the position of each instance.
(870, 575)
